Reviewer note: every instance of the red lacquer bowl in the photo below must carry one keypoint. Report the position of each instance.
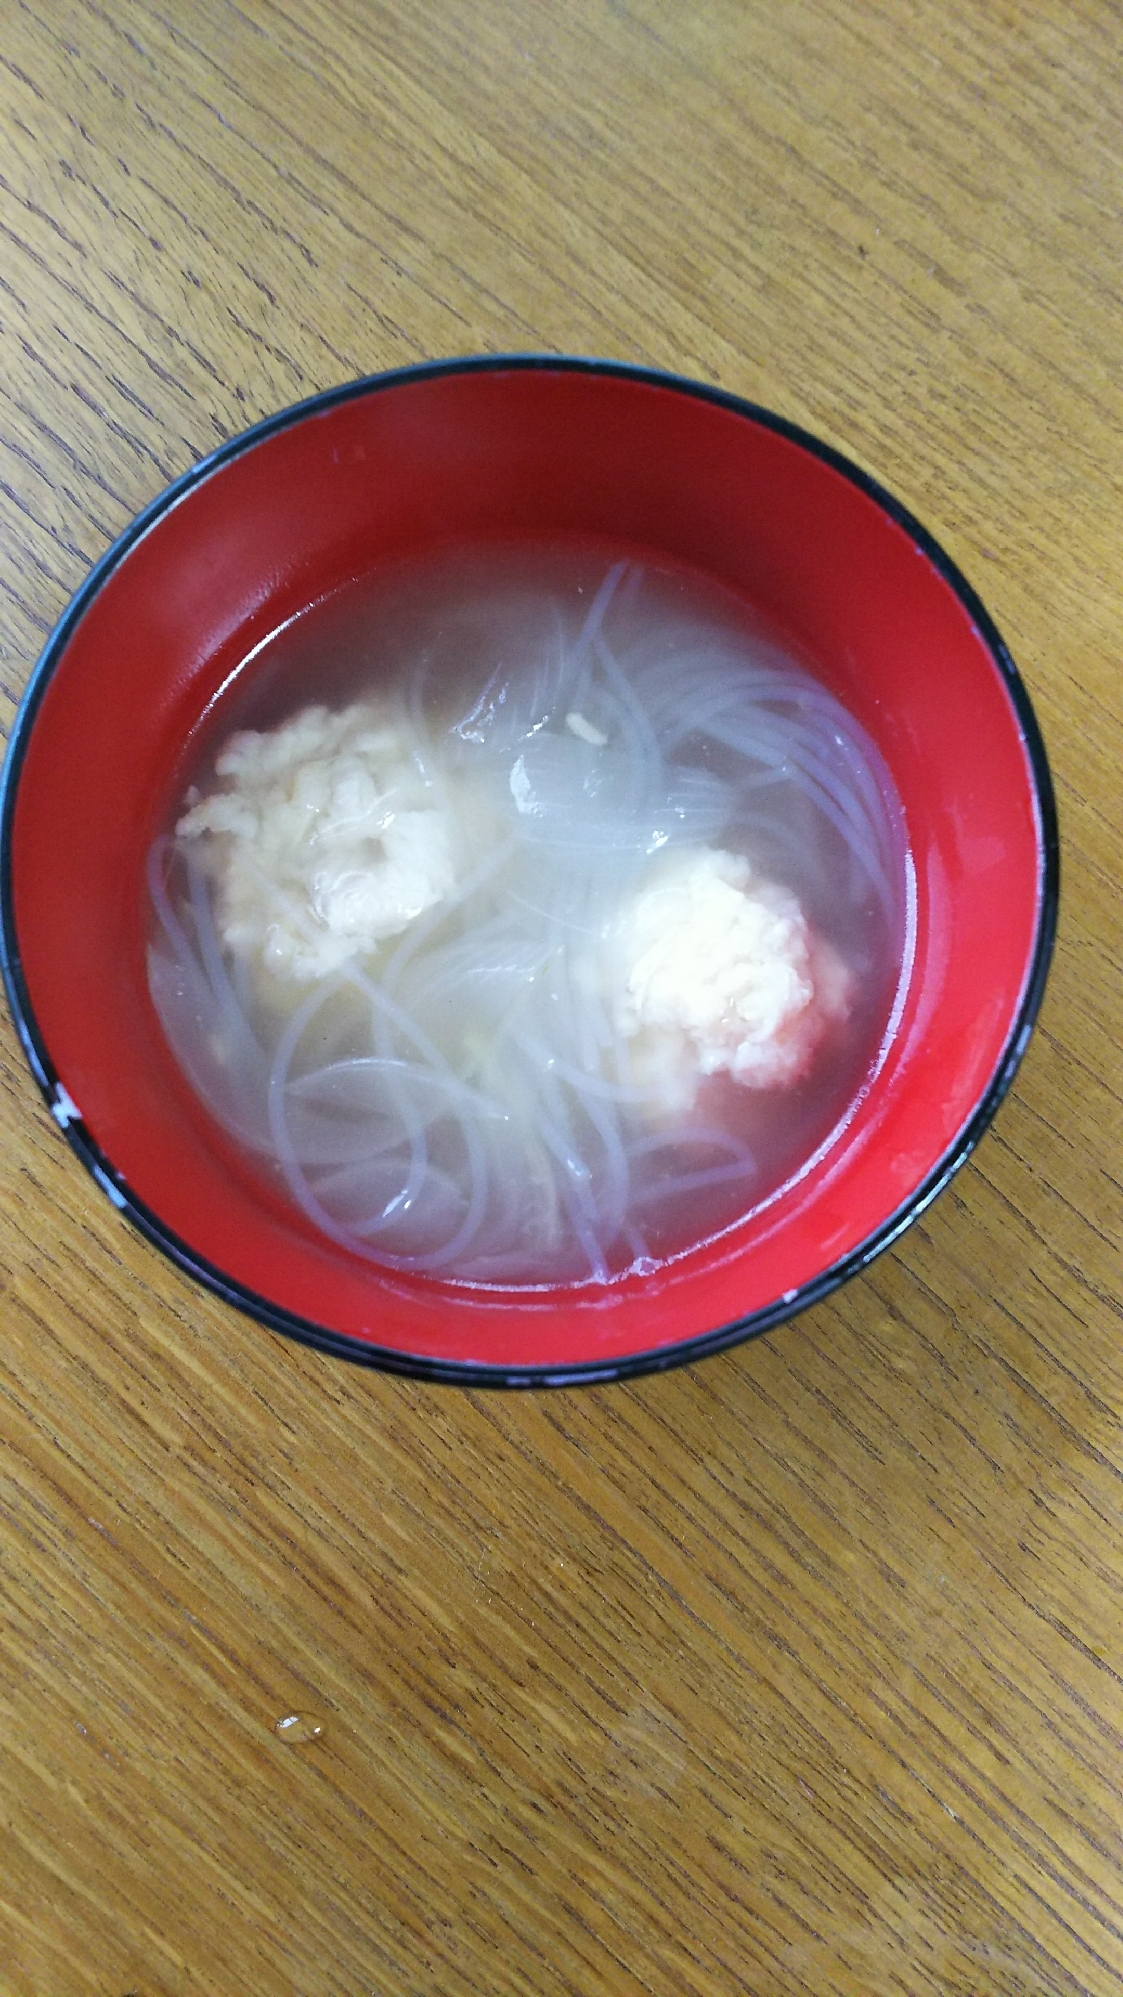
(378, 468)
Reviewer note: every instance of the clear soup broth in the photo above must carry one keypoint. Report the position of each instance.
(529, 914)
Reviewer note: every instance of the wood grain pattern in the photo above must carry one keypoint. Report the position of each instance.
(800, 1672)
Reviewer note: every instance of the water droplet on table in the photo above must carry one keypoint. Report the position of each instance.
(298, 1728)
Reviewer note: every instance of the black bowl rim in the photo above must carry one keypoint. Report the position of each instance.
(469, 1373)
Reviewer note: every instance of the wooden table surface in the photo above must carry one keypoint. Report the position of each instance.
(798, 1671)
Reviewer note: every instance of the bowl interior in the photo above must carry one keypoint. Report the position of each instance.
(387, 469)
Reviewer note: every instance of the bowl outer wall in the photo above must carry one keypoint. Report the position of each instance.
(383, 468)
